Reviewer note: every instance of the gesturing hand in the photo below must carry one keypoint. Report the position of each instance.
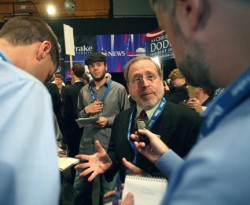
(97, 163)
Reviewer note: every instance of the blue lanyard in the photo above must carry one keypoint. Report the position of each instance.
(237, 92)
(105, 94)
(150, 123)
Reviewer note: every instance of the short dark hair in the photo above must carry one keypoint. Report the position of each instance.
(209, 91)
(85, 77)
(27, 30)
(78, 69)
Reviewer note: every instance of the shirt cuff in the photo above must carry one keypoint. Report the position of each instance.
(169, 162)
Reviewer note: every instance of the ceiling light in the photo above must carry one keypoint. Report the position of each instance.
(51, 10)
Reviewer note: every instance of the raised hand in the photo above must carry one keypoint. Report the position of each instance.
(97, 163)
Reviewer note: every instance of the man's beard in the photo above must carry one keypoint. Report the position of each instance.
(100, 78)
(194, 67)
(196, 71)
(193, 64)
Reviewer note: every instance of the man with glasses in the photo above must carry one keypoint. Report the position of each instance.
(103, 98)
(29, 54)
(178, 126)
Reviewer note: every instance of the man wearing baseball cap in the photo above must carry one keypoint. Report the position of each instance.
(103, 98)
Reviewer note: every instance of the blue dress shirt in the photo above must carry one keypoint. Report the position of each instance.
(217, 170)
(29, 173)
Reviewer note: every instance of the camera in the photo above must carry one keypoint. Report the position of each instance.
(140, 124)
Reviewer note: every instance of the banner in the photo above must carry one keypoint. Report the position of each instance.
(119, 49)
(157, 45)
(84, 45)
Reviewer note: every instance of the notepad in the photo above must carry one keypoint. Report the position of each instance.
(146, 190)
(66, 162)
(82, 122)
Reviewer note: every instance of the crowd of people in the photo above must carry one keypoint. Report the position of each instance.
(194, 142)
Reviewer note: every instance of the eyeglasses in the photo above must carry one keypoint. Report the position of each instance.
(138, 79)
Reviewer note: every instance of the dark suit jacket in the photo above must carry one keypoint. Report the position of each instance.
(53, 90)
(178, 127)
(56, 102)
(72, 131)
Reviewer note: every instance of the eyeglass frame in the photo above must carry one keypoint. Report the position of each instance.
(138, 80)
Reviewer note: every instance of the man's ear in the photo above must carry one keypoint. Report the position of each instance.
(190, 14)
(43, 50)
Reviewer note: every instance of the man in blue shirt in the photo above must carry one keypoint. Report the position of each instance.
(211, 43)
(29, 54)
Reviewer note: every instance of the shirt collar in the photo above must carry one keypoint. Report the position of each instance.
(149, 112)
(92, 83)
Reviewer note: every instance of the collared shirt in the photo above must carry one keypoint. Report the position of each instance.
(115, 102)
(217, 170)
(149, 112)
(29, 171)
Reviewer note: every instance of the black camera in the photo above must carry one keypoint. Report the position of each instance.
(141, 124)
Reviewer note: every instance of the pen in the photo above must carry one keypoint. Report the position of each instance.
(117, 196)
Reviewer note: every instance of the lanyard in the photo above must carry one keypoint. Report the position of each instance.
(150, 123)
(237, 92)
(105, 94)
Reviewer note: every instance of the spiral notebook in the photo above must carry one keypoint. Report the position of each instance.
(146, 190)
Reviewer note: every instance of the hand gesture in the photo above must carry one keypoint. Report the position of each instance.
(97, 163)
(154, 150)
